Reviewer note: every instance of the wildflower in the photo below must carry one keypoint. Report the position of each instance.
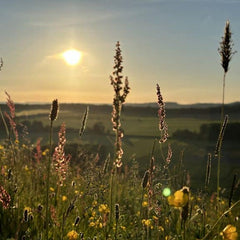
(26, 168)
(144, 203)
(72, 235)
(147, 223)
(5, 198)
(12, 115)
(160, 228)
(123, 228)
(27, 213)
(59, 157)
(180, 198)
(51, 189)
(162, 117)
(45, 152)
(119, 99)
(64, 198)
(91, 224)
(103, 208)
(229, 233)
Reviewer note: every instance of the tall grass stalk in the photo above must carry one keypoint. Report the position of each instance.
(218, 152)
(226, 52)
(120, 94)
(52, 117)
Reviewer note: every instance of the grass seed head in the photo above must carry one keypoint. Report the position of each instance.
(226, 47)
(54, 110)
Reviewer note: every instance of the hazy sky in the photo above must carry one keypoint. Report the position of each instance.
(170, 42)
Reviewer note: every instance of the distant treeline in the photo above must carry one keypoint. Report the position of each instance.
(209, 132)
(211, 113)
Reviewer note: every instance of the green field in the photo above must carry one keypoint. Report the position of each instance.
(140, 132)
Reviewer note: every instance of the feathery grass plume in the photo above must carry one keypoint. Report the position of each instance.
(5, 198)
(12, 115)
(226, 52)
(162, 117)
(84, 122)
(61, 161)
(208, 170)
(119, 98)
(226, 47)
(232, 190)
(220, 137)
(54, 110)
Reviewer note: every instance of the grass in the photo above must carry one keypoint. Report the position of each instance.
(48, 194)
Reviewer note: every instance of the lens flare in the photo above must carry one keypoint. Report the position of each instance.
(166, 192)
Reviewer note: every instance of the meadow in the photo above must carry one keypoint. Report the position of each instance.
(71, 172)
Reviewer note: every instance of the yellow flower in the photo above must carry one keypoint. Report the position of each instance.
(45, 152)
(26, 168)
(147, 222)
(229, 233)
(145, 204)
(91, 224)
(180, 198)
(160, 228)
(123, 228)
(103, 208)
(64, 198)
(72, 235)
(28, 209)
(51, 189)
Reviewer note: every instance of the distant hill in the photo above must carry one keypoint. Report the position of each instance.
(175, 105)
(210, 111)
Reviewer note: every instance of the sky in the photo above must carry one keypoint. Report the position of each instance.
(170, 42)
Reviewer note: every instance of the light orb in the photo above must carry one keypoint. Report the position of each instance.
(166, 192)
(72, 56)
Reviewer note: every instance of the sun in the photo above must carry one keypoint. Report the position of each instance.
(72, 56)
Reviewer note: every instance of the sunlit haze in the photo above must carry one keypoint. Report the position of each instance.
(170, 42)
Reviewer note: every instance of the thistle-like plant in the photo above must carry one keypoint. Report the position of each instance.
(120, 94)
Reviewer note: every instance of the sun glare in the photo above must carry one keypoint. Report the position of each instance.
(72, 56)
